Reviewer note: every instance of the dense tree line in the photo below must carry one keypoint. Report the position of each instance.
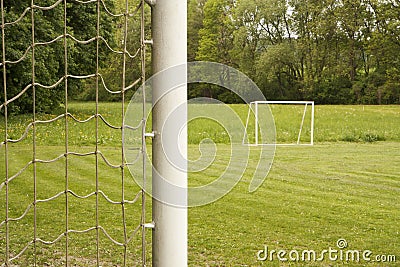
(330, 51)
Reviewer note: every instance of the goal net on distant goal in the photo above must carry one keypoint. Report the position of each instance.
(293, 122)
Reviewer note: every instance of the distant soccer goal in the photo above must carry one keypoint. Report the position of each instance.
(293, 120)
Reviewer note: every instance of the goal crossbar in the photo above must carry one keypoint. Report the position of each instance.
(256, 122)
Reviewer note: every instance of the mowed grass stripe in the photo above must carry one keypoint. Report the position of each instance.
(51, 215)
(303, 205)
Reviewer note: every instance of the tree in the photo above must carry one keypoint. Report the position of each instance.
(215, 44)
(195, 23)
(279, 73)
(112, 67)
(384, 49)
(330, 51)
(215, 38)
(49, 59)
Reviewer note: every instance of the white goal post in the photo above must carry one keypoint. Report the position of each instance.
(254, 108)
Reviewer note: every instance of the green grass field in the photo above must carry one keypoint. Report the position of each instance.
(346, 186)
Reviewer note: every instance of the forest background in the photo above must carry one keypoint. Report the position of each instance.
(330, 51)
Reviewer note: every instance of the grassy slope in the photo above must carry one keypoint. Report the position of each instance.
(312, 196)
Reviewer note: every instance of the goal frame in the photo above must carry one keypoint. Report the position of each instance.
(256, 123)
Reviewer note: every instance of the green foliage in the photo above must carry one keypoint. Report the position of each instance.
(49, 59)
(47, 64)
(278, 72)
(216, 35)
(214, 44)
(332, 52)
(195, 23)
(367, 138)
(112, 69)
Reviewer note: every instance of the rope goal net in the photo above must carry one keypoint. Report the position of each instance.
(66, 195)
